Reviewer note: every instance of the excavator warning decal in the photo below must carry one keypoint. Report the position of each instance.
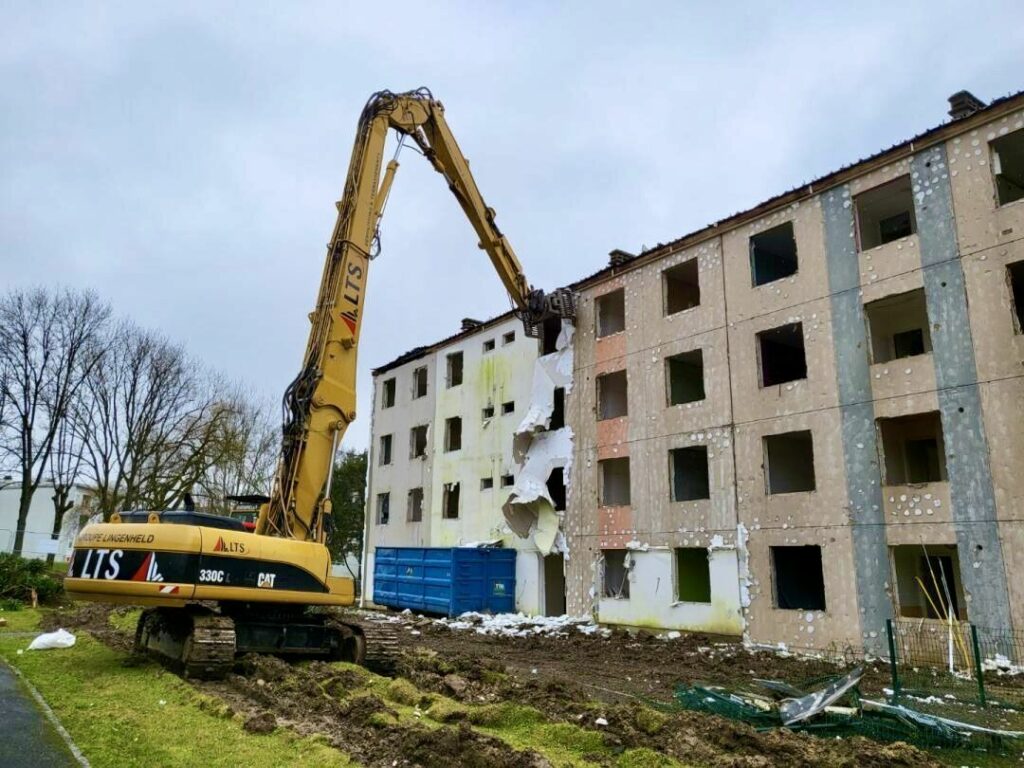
(148, 571)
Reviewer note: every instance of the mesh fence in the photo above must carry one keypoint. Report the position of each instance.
(957, 661)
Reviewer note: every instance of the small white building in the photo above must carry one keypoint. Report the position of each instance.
(39, 539)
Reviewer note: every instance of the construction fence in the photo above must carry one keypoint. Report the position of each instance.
(956, 661)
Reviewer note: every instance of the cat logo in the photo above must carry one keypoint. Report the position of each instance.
(266, 580)
(229, 546)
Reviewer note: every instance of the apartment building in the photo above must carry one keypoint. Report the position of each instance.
(806, 418)
(790, 425)
(441, 463)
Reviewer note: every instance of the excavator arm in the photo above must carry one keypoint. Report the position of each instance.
(320, 403)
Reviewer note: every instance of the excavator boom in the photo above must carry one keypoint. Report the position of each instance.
(264, 582)
(321, 402)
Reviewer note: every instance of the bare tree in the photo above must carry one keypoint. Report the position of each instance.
(65, 465)
(47, 350)
(152, 423)
(251, 443)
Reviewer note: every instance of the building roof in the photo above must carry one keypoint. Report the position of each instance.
(417, 353)
(896, 152)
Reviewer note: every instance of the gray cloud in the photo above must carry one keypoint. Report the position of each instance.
(183, 159)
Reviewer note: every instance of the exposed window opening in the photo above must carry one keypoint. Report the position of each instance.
(558, 411)
(385, 450)
(419, 383)
(690, 473)
(418, 442)
(489, 345)
(611, 395)
(453, 375)
(488, 412)
(611, 313)
(789, 463)
(773, 254)
(450, 501)
(782, 354)
(453, 433)
(508, 338)
(798, 578)
(1015, 276)
(507, 408)
(1008, 167)
(681, 287)
(928, 581)
(685, 376)
(549, 332)
(693, 575)
(913, 449)
(383, 508)
(898, 326)
(556, 488)
(616, 573)
(507, 481)
(486, 483)
(414, 506)
(387, 394)
(614, 482)
(885, 213)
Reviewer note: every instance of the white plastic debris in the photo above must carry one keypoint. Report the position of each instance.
(59, 639)
(600, 721)
(521, 625)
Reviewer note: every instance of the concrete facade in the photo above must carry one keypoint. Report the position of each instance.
(791, 425)
(497, 368)
(911, 426)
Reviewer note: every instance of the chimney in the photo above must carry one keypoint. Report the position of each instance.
(468, 323)
(619, 257)
(964, 104)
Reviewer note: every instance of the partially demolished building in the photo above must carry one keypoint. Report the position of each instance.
(441, 458)
(805, 418)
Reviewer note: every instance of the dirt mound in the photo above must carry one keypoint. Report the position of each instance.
(91, 617)
(714, 741)
(335, 703)
(462, 746)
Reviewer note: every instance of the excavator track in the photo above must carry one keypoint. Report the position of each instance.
(382, 646)
(198, 642)
(195, 642)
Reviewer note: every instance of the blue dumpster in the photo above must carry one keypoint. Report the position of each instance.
(448, 581)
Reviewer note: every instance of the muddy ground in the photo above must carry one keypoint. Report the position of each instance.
(457, 698)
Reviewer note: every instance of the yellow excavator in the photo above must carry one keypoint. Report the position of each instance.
(213, 589)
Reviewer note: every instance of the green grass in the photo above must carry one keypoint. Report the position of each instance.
(22, 620)
(126, 621)
(143, 716)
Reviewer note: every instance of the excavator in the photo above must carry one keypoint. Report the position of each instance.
(212, 589)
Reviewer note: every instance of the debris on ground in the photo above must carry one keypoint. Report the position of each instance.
(50, 640)
(819, 712)
(521, 625)
(462, 698)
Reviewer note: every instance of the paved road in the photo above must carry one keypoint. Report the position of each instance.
(27, 738)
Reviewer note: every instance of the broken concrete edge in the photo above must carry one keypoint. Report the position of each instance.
(530, 510)
(50, 715)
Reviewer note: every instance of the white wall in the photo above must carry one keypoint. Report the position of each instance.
(652, 601)
(39, 525)
(490, 378)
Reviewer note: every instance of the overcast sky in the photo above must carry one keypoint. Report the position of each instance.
(183, 159)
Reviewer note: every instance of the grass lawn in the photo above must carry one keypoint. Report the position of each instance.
(141, 715)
